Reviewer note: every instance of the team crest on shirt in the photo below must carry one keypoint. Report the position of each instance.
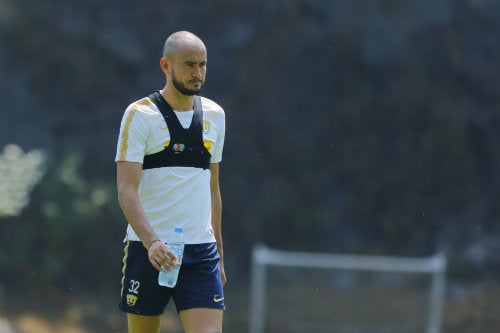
(206, 126)
(178, 147)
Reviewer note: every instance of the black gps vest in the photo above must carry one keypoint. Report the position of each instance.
(186, 147)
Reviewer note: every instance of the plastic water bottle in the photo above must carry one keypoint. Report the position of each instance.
(176, 245)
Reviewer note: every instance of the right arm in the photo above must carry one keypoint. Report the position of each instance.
(128, 179)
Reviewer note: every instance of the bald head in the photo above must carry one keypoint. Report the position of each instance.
(184, 63)
(182, 41)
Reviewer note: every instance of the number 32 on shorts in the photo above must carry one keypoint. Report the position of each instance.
(134, 287)
(133, 291)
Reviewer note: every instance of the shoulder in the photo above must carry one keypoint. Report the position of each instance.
(144, 106)
(209, 105)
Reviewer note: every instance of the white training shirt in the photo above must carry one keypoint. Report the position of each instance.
(172, 196)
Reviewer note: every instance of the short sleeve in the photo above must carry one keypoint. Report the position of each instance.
(133, 136)
(219, 144)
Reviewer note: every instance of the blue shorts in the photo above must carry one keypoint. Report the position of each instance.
(198, 286)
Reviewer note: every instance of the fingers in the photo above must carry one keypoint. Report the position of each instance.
(161, 258)
(223, 277)
(167, 260)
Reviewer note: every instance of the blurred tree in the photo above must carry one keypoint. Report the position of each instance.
(353, 126)
(19, 173)
(66, 235)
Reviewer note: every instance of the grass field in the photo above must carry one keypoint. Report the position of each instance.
(472, 309)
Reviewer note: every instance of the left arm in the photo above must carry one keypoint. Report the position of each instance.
(217, 215)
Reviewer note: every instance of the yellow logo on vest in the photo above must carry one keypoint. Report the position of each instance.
(208, 145)
(131, 299)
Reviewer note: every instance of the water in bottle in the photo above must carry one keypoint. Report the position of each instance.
(176, 245)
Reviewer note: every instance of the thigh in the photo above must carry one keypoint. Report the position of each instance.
(199, 284)
(143, 324)
(202, 320)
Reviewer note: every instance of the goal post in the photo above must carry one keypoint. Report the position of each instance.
(263, 258)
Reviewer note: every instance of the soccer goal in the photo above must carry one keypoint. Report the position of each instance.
(294, 292)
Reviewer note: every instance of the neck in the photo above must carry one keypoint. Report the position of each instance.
(176, 100)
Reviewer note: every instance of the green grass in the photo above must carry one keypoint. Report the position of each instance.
(57, 310)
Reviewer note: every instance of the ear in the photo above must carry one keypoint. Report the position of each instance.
(165, 65)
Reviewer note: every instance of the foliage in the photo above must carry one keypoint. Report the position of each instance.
(352, 126)
(67, 233)
(19, 173)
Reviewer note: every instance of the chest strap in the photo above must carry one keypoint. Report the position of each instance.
(186, 147)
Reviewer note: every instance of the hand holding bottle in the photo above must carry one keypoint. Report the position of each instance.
(161, 257)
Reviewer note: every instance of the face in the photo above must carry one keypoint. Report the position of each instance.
(188, 71)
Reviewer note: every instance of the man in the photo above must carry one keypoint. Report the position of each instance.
(169, 147)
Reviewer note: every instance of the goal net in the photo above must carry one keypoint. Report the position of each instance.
(296, 292)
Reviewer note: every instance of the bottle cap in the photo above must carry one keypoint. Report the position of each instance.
(178, 229)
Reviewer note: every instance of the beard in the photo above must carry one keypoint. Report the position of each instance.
(183, 89)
